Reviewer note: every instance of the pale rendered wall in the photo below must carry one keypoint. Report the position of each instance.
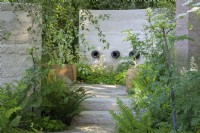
(119, 20)
(185, 49)
(14, 57)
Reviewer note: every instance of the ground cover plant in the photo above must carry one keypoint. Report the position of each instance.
(102, 75)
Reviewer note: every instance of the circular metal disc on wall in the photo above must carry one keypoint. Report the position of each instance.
(115, 54)
(95, 54)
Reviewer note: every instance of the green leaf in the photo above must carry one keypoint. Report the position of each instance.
(195, 121)
(15, 122)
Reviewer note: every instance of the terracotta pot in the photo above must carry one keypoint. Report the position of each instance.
(68, 70)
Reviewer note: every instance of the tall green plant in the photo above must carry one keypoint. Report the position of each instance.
(153, 83)
(156, 81)
(187, 99)
(9, 110)
(162, 28)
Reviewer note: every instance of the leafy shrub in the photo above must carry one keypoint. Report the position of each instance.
(124, 66)
(101, 75)
(188, 101)
(47, 124)
(60, 101)
(151, 93)
(83, 71)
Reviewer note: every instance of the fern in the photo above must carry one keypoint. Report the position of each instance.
(127, 122)
(8, 119)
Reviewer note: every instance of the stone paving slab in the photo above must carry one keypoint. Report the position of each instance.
(91, 129)
(93, 117)
(102, 103)
(105, 91)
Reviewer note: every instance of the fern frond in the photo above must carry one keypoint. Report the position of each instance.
(128, 122)
(15, 122)
(9, 112)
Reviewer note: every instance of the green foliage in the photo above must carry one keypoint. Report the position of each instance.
(7, 123)
(47, 124)
(188, 100)
(10, 110)
(124, 4)
(56, 100)
(124, 66)
(83, 70)
(86, 15)
(128, 122)
(151, 92)
(135, 41)
(60, 31)
(60, 101)
(151, 89)
(156, 80)
(101, 75)
(32, 99)
(109, 4)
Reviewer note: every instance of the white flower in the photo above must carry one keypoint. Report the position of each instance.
(183, 71)
(193, 65)
(193, 9)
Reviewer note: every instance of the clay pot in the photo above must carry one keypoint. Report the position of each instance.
(68, 70)
(65, 72)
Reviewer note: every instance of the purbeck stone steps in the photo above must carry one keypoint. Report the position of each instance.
(91, 128)
(93, 117)
(96, 117)
(101, 104)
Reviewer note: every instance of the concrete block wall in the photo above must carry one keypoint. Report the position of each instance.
(14, 56)
(119, 21)
(186, 49)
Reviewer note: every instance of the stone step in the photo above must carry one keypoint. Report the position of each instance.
(91, 128)
(96, 117)
(101, 104)
(93, 117)
(106, 95)
(105, 90)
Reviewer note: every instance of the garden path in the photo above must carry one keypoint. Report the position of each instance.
(96, 118)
